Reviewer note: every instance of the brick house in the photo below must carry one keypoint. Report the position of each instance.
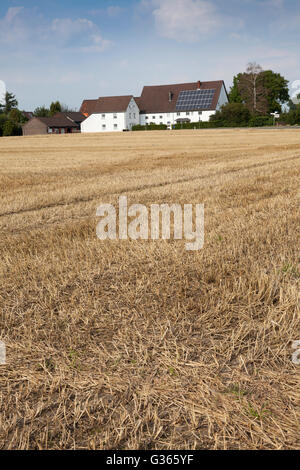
(60, 123)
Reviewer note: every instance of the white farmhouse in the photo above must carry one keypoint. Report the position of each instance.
(162, 104)
(186, 102)
(110, 114)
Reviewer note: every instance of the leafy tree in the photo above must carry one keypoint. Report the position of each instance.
(232, 115)
(263, 92)
(10, 102)
(234, 95)
(293, 116)
(3, 119)
(55, 107)
(252, 89)
(17, 116)
(10, 128)
(278, 91)
(41, 111)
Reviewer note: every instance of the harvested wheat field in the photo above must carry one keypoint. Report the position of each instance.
(142, 344)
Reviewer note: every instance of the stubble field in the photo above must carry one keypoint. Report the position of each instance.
(142, 344)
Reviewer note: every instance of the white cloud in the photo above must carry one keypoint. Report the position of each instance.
(185, 20)
(2, 91)
(68, 30)
(12, 13)
(22, 28)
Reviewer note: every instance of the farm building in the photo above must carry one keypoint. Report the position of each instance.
(162, 104)
(110, 114)
(60, 123)
(187, 102)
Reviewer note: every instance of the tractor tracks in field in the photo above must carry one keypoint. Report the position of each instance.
(145, 187)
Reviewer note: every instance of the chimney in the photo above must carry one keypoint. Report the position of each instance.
(170, 96)
(199, 85)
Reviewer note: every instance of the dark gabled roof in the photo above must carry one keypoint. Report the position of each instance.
(87, 107)
(73, 116)
(59, 121)
(106, 104)
(155, 99)
(28, 114)
(112, 104)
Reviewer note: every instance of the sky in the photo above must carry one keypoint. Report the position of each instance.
(73, 50)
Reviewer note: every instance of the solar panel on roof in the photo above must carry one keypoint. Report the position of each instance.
(191, 100)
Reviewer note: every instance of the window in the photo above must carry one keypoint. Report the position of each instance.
(134, 116)
(115, 126)
(169, 122)
(178, 114)
(103, 116)
(199, 112)
(103, 126)
(187, 113)
(153, 117)
(147, 117)
(161, 117)
(115, 116)
(129, 115)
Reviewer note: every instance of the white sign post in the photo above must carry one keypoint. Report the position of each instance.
(275, 116)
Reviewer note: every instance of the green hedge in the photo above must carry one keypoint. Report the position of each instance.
(255, 121)
(150, 127)
(260, 121)
(198, 125)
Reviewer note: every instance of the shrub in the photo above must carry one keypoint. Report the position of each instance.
(150, 127)
(232, 115)
(260, 121)
(11, 129)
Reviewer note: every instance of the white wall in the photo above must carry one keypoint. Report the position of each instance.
(222, 99)
(132, 116)
(95, 123)
(170, 118)
(126, 120)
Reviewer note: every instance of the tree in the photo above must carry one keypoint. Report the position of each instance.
(234, 95)
(3, 119)
(16, 116)
(55, 107)
(252, 89)
(232, 115)
(41, 111)
(10, 102)
(278, 91)
(263, 92)
(10, 128)
(293, 116)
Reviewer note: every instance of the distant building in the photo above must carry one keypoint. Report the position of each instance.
(187, 102)
(60, 123)
(110, 114)
(162, 104)
(28, 114)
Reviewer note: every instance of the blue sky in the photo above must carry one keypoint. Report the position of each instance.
(73, 50)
